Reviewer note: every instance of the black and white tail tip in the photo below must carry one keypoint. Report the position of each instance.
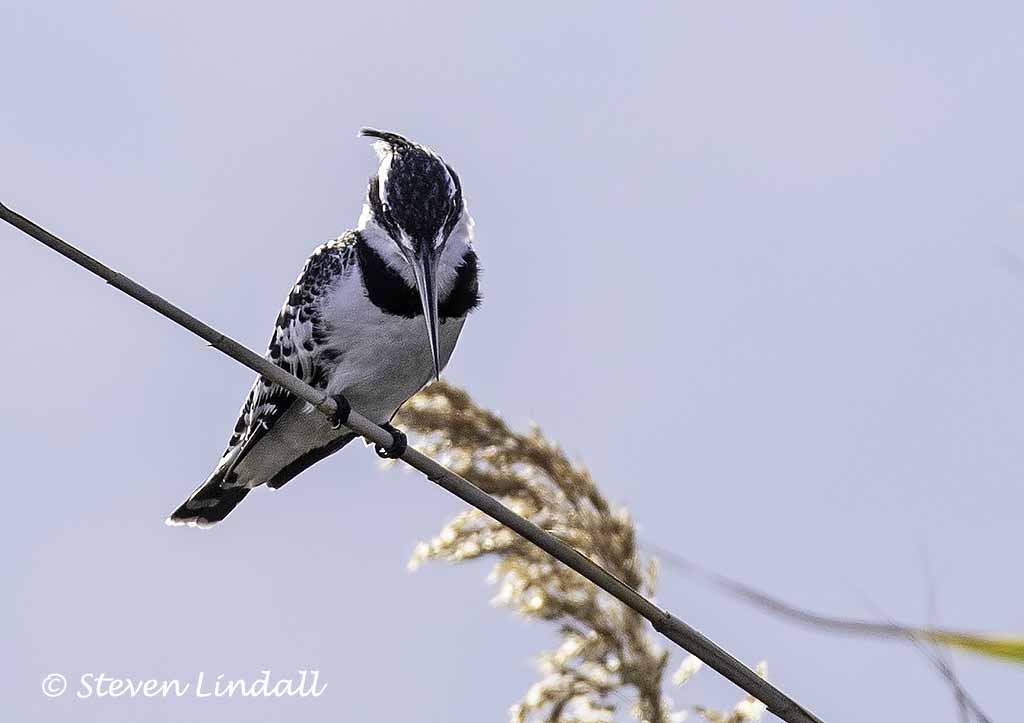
(208, 505)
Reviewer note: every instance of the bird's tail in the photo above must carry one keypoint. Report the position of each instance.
(210, 503)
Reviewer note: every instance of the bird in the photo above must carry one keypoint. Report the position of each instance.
(373, 317)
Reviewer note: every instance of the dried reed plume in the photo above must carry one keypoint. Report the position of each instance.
(606, 654)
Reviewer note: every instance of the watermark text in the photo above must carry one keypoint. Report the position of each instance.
(265, 684)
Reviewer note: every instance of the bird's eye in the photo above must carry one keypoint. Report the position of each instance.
(389, 219)
(452, 217)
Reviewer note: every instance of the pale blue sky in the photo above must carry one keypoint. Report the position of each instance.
(781, 241)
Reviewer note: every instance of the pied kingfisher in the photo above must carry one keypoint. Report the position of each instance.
(373, 317)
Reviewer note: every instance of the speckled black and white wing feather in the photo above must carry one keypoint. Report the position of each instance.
(297, 346)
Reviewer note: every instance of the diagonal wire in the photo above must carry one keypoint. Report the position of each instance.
(664, 622)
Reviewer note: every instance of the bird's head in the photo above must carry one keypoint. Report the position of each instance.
(416, 199)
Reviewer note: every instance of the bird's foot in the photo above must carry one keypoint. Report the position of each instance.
(399, 443)
(340, 415)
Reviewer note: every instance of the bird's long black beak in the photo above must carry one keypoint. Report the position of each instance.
(424, 266)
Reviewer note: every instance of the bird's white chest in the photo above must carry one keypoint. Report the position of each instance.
(384, 358)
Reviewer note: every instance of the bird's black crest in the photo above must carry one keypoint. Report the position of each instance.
(423, 195)
(392, 139)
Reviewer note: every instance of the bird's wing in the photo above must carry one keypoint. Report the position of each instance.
(296, 346)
